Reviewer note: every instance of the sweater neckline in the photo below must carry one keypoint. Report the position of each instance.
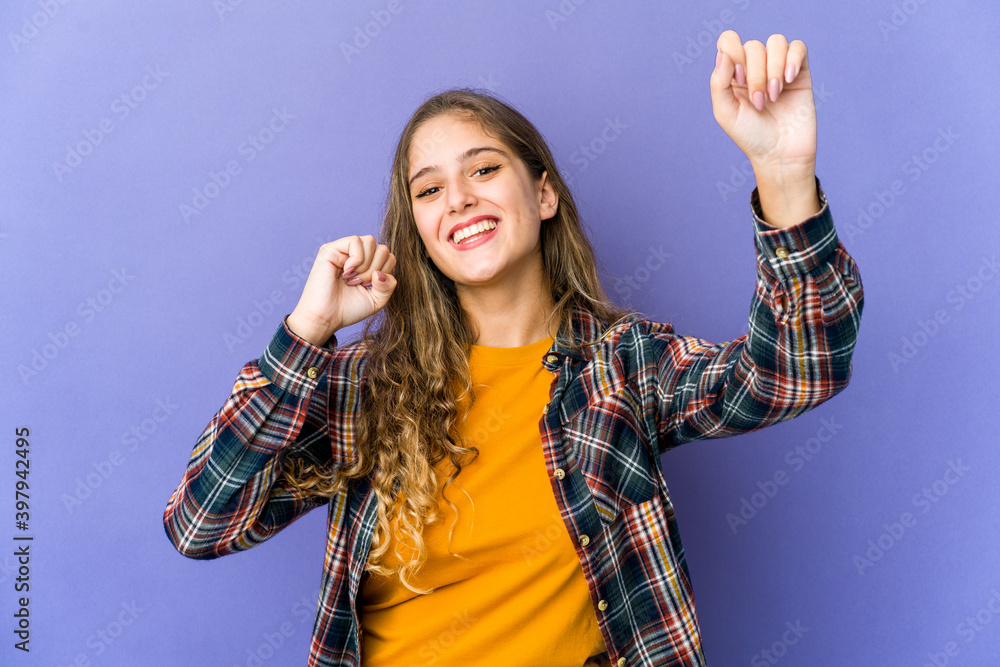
(482, 355)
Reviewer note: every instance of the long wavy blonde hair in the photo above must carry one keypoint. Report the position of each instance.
(419, 344)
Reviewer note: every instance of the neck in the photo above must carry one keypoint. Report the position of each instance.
(513, 313)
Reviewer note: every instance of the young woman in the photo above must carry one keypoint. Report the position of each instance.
(489, 453)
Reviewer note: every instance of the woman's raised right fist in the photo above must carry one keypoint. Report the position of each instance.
(337, 294)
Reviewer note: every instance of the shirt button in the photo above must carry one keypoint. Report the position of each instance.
(621, 662)
(602, 605)
(584, 540)
(560, 473)
(545, 410)
(552, 358)
(312, 372)
(781, 252)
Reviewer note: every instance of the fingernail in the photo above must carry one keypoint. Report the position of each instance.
(381, 277)
(354, 281)
(718, 59)
(773, 89)
(740, 74)
(367, 284)
(758, 99)
(789, 72)
(349, 274)
(349, 269)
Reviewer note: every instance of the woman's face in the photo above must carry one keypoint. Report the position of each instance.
(458, 175)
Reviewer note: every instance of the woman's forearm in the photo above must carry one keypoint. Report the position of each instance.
(787, 200)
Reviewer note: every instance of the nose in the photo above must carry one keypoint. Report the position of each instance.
(460, 195)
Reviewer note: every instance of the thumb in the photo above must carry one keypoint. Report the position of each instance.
(725, 106)
(383, 285)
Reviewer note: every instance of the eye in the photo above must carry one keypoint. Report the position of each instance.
(488, 169)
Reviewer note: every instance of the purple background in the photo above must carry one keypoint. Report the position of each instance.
(892, 81)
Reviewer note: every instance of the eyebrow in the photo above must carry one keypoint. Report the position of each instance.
(472, 152)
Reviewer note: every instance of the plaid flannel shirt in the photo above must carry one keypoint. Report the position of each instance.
(613, 409)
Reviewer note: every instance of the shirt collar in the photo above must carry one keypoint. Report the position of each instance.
(585, 327)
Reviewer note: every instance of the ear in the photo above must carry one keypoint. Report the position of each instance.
(548, 199)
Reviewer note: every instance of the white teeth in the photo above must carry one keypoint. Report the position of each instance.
(472, 230)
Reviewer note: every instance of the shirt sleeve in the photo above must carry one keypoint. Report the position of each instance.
(796, 354)
(232, 496)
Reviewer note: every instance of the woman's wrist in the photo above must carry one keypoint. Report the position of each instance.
(306, 327)
(788, 199)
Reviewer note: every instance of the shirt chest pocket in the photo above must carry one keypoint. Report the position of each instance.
(611, 447)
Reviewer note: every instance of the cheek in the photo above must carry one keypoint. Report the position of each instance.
(427, 230)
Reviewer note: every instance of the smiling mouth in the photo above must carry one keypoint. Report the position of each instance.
(474, 232)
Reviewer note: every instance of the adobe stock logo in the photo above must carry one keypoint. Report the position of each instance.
(88, 311)
(703, 41)
(104, 636)
(249, 149)
(901, 13)
(122, 106)
(555, 530)
(779, 649)
(796, 459)
(433, 649)
(926, 329)
(883, 199)
(587, 153)
(561, 13)
(381, 18)
(967, 630)
(655, 260)
(264, 649)
(926, 499)
(30, 26)
(100, 471)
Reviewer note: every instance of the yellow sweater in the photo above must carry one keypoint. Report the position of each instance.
(521, 597)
